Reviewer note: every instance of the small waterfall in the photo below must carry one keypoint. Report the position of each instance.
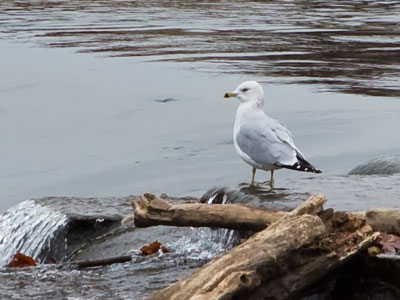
(227, 237)
(206, 243)
(28, 228)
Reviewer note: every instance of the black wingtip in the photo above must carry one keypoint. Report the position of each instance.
(302, 166)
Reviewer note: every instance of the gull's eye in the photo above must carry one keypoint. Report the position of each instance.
(244, 90)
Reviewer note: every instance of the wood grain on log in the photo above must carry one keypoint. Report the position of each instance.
(306, 266)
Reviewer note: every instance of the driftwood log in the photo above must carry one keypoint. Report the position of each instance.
(257, 260)
(279, 262)
(293, 251)
(150, 211)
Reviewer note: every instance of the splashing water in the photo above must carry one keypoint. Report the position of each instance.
(28, 228)
(205, 243)
(227, 237)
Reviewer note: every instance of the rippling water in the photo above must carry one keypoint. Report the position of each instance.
(102, 123)
(347, 46)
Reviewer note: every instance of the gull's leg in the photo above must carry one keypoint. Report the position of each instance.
(271, 181)
(254, 174)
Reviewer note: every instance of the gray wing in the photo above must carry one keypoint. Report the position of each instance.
(267, 141)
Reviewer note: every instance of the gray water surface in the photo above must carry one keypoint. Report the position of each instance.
(99, 124)
(74, 125)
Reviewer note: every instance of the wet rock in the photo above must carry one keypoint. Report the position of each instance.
(387, 165)
(262, 196)
(87, 219)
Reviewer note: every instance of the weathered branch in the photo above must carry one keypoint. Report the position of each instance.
(150, 211)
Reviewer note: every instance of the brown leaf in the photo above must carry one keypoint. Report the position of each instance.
(153, 248)
(21, 261)
(390, 243)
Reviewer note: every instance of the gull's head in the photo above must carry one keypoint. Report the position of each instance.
(248, 91)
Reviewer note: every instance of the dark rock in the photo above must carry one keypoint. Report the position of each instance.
(262, 196)
(387, 165)
(88, 219)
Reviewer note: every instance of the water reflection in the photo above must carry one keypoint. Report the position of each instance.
(347, 46)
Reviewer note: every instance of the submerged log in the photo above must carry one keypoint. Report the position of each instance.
(150, 211)
(101, 262)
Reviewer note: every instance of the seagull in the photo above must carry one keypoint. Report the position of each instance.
(261, 141)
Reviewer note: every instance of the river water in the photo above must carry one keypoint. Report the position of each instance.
(110, 98)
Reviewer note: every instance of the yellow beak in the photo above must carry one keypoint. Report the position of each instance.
(230, 95)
